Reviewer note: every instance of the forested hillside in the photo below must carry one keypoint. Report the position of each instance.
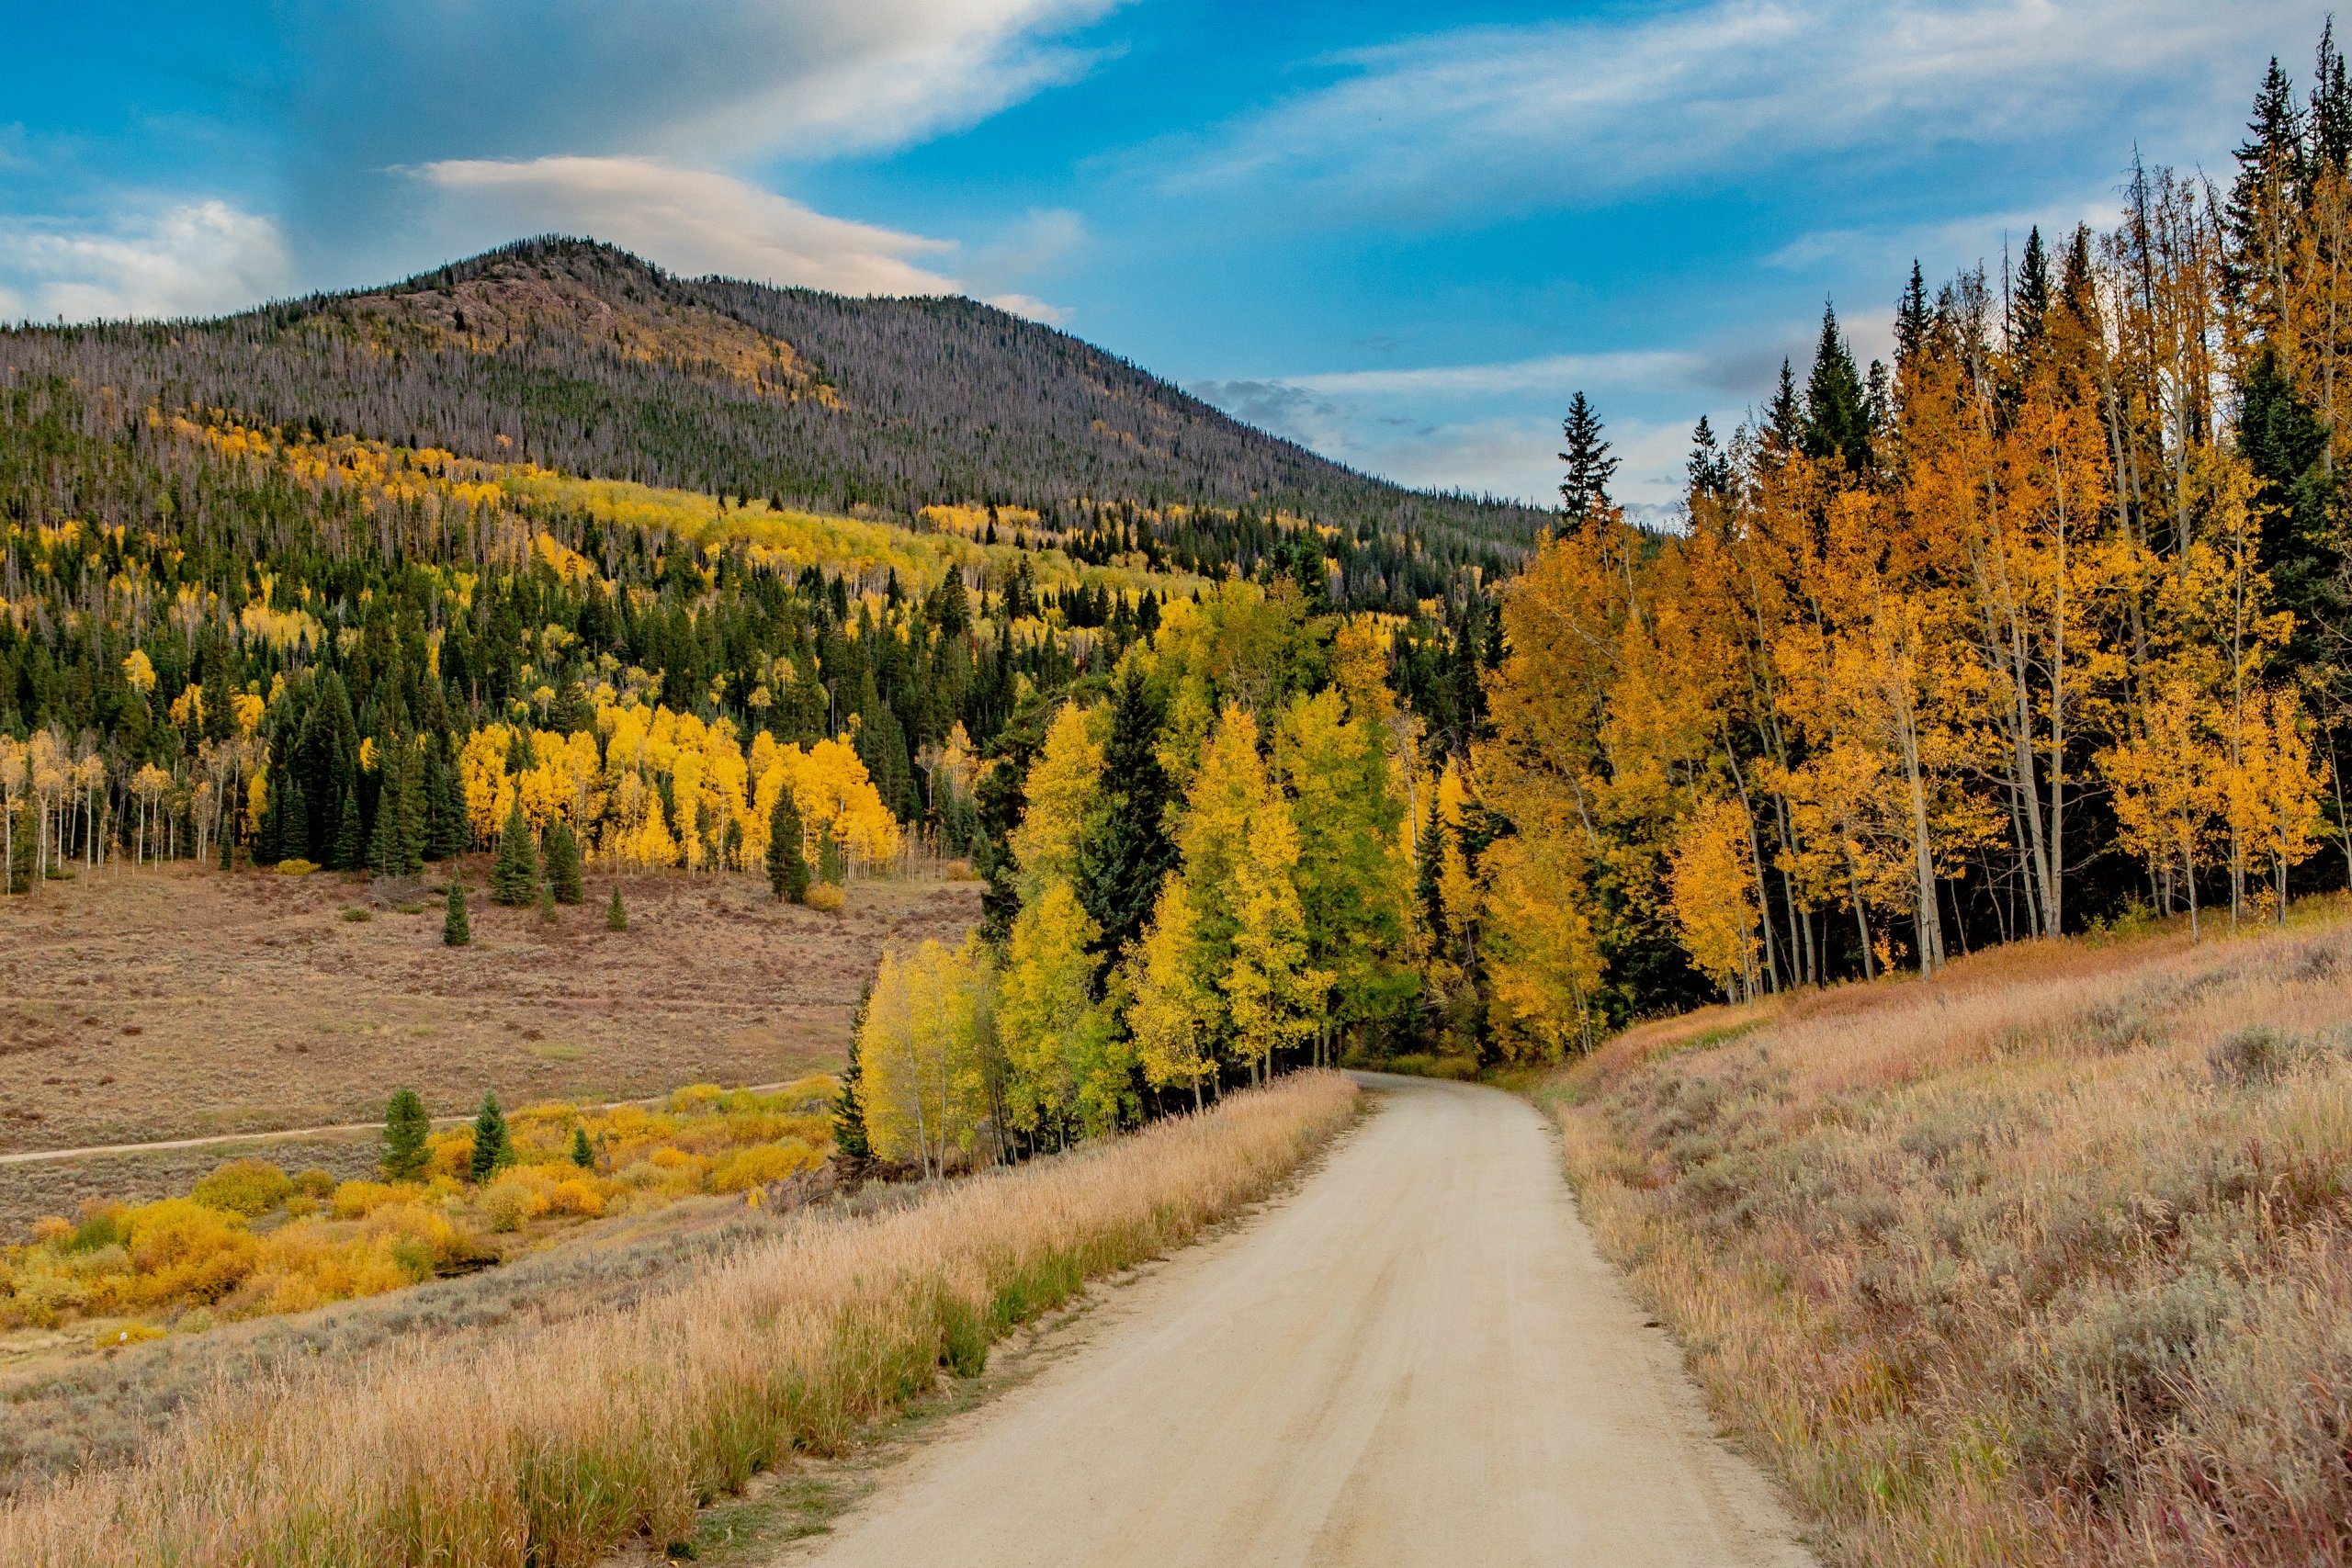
(586, 359)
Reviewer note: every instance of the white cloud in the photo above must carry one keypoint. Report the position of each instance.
(1555, 372)
(1383, 423)
(1027, 305)
(1588, 110)
(1950, 245)
(691, 220)
(762, 78)
(191, 260)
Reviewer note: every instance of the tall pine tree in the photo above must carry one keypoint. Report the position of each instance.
(1584, 489)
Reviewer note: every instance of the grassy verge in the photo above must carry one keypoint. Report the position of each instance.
(550, 1448)
(2047, 1261)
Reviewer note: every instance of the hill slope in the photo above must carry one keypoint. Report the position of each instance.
(587, 359)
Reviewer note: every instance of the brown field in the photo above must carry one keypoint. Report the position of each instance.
(2048, 1260)
(173, 1003)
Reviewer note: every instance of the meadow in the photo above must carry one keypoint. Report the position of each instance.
(554, 1443)
(170, 1002)
(2046, 1259)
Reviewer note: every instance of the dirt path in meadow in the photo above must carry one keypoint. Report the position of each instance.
(1417, 1359)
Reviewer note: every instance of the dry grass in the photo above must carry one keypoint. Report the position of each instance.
(549, 1447)
(174, 1003)
(2048, 1261)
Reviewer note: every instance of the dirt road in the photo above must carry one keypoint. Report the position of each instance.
(1416, 1359)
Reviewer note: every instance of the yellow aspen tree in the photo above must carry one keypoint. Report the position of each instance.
(1715, 894)
(2167, 788)
(1174, 1011)
(14, 775)
(2275, 789)
(1275, 997)
(1064, 1069)
(1061, 787)
(922, 1054)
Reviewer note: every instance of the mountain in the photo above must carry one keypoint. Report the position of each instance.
(589, 360)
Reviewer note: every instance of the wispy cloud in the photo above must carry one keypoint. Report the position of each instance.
(1592, 110)
(189, 259)
(1553, 372)
(531, 78)
(1948, 244)
(690, 220)
(1471, 427)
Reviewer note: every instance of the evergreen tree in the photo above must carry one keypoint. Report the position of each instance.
(1428, 889)
(2030, 295)
(406, 1127)
(456, 931)
(349, 850)
(2331, 111)
(384, 856)
(408, 813)
(514, 870)
(1784, 426)
(582, 1154)
(1911, 321)
(615, 918)
(1584, 492)
(1126, 850)
(832, 865)
(494, 1150)
(848, 1110)
(445, 834)
(787, 863)
(227, 839)
(1709, 468)
(563, 864)
(547, 904)
(1836, 414)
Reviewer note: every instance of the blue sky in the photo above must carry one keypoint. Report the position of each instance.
(1402, 234)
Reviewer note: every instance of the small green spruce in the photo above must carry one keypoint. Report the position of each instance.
(582, 1154)
(514, 871)
(848, 1107)
(547, 904)
(832, 865)
(455, 931)
(563, 864)
(615, 918)
(349, 850)
(406, 1127)
(788, 865)
(494, 1151)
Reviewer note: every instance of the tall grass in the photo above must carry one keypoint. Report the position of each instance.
(551, 1447)
(2048, 1261)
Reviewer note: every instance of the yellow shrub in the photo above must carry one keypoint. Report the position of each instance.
(510, 1205)
(315, 1182)
(248, 1186)
(762, 1163)
(452, 1153)
(420, 1224)
(296, 867)
(825, 898)
(129, 1334)
(694, 1097)
(50, 1231)
(576, 1196)
(184, 1250)
(357, 1200)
